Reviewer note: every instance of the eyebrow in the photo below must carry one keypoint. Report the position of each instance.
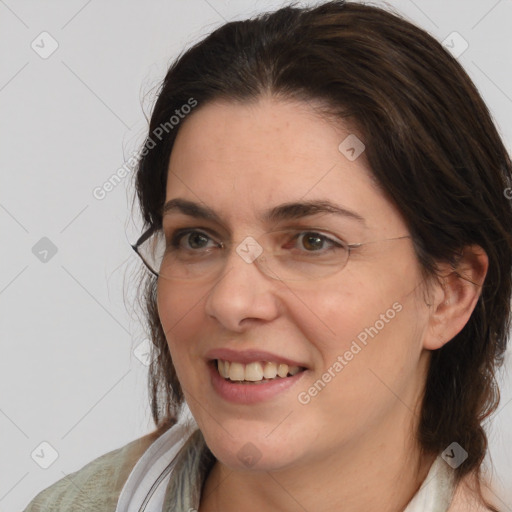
(286, 211)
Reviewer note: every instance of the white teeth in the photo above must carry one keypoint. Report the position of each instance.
(270, 371)
(236, 371)
(255, 371)
(282, 370)
(223, 367)
(293, 370)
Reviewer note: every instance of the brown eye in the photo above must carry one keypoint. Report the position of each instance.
(312, 241)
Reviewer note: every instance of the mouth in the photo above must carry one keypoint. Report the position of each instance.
(254, 372)
(252, 376)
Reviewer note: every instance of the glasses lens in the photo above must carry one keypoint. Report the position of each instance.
(293, 255)
(193, 257)
(286, 255)
(152, 251)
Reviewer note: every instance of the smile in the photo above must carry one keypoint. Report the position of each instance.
(256, 371)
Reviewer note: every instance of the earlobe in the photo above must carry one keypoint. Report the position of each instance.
(455, 296)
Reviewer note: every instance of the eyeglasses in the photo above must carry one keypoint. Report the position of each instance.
(286, 255)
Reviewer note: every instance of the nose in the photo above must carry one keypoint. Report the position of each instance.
(243, 294)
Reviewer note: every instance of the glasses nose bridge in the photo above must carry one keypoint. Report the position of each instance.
(251, 250)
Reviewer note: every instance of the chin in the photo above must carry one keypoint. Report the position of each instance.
(250, 456)
(251, 449)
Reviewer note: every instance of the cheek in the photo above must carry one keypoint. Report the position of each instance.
(371, 319)
(179, 309)
(374, 347)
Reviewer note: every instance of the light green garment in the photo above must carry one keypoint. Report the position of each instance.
(97, 486)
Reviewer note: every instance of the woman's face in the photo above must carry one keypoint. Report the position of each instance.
(357, 335)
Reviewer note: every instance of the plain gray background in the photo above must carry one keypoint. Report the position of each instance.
(72, 366)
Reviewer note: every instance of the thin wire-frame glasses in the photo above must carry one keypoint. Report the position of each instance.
(271, 253)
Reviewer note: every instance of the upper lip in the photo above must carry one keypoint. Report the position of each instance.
(249, 356)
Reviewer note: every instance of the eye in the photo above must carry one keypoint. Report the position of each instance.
(312, 241)
(191, 239)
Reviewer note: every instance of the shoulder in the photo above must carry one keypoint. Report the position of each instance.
(97, 485)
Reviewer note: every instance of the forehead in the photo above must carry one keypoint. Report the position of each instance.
(260, 134)
(240, 158)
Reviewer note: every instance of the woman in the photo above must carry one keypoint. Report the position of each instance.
(330, 253)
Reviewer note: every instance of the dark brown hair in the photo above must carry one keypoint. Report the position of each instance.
(433, 149)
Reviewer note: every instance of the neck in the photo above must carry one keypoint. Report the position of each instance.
(381, 470)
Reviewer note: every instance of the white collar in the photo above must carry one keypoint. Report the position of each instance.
(145, 487)
(436, 491)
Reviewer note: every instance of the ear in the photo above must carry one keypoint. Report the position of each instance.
(454, 298)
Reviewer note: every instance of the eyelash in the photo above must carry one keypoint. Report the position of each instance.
(178, 235)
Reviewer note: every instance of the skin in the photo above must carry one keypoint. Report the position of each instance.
(352, 446)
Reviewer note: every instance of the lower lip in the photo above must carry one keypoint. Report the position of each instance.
(250, 393)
